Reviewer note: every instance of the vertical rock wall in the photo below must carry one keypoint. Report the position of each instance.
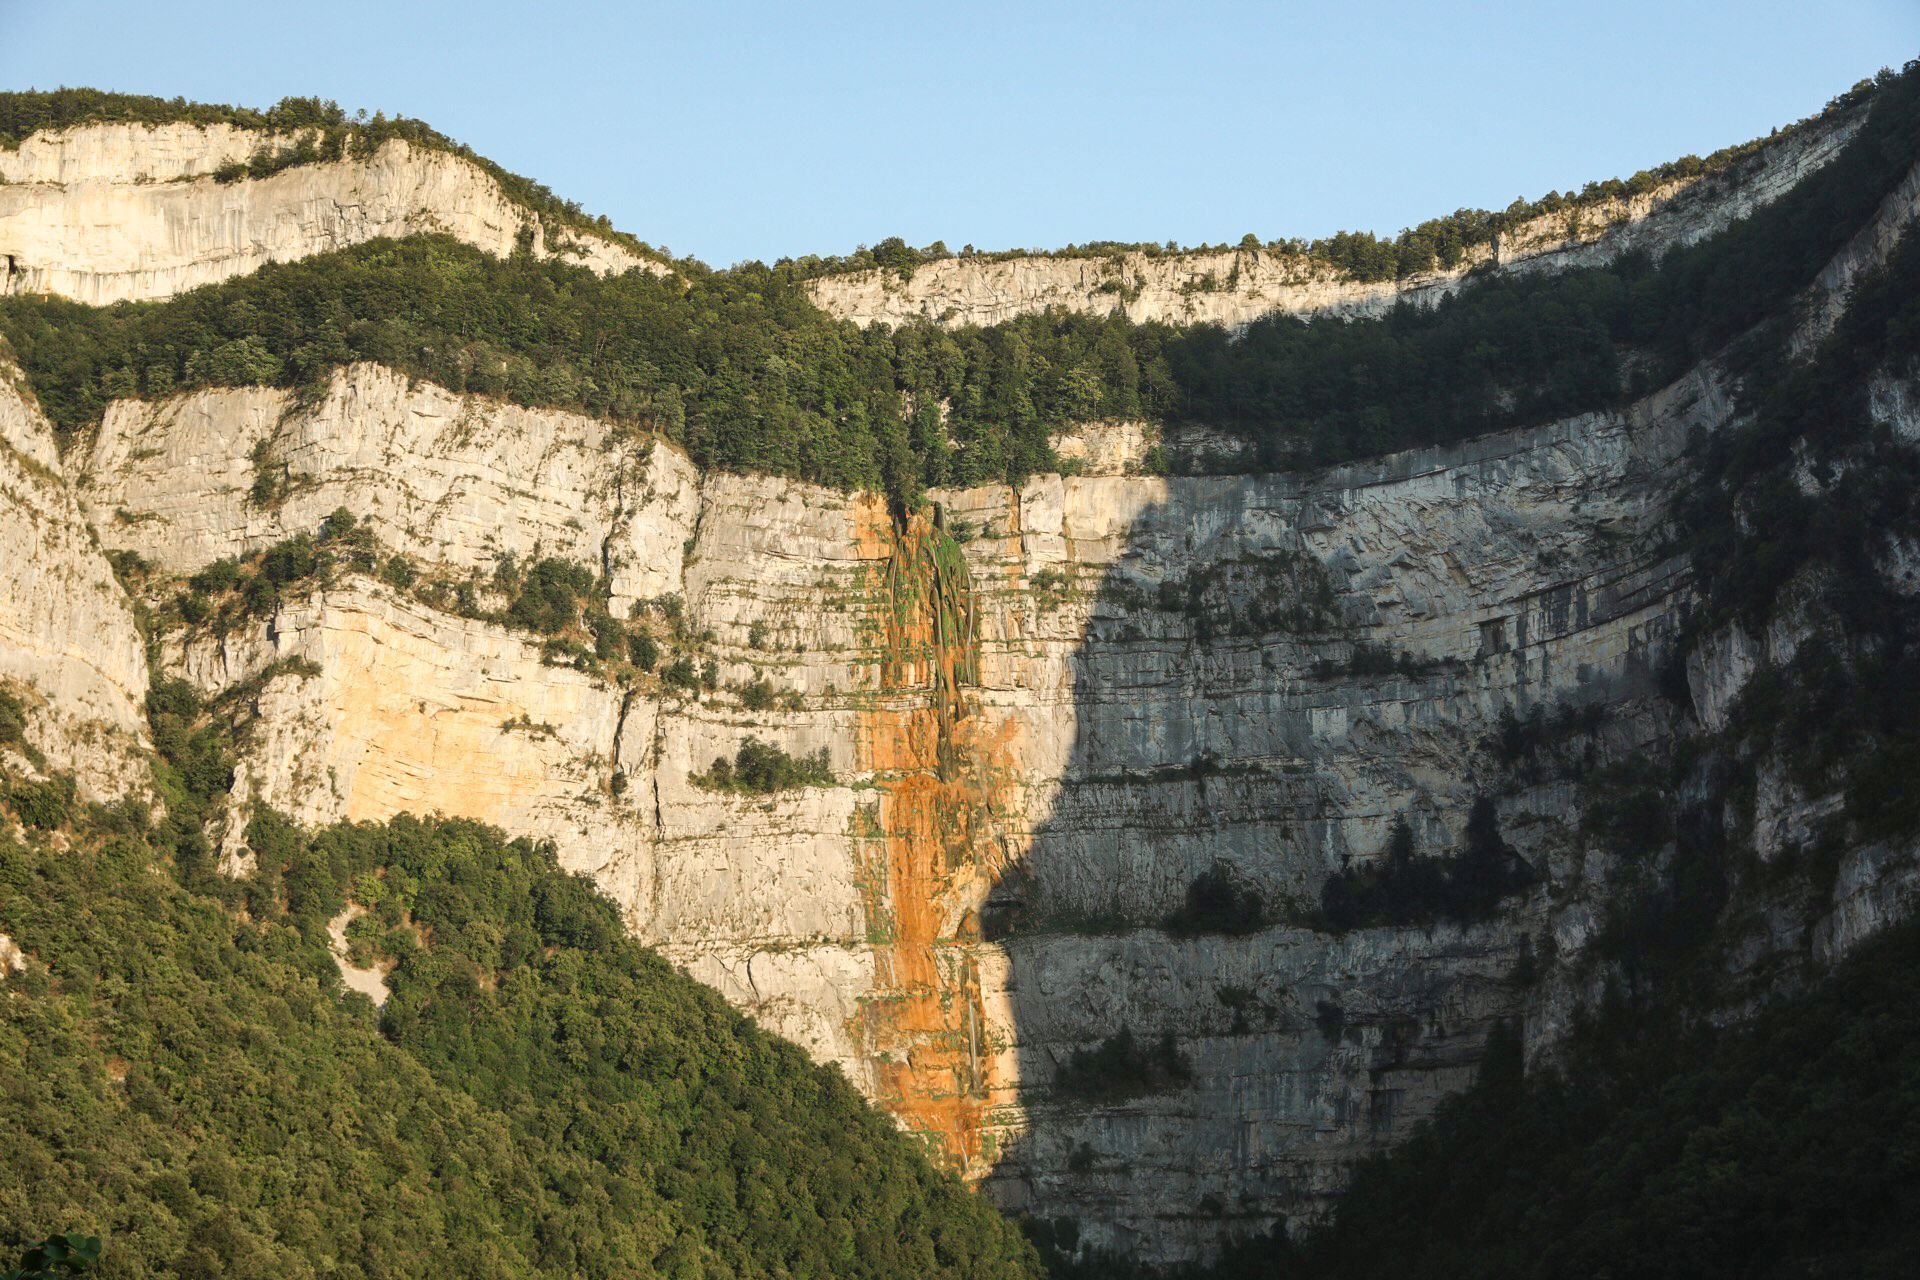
(69, 648)
(112, 213)
(1047, 711)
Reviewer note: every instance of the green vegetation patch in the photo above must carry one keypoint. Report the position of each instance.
(760, 768)
(539, 1095)
(1404, 888)
(1218, 901)
(1782, 1148)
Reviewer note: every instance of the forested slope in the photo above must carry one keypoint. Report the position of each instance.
(539, 1096)
(1790, 1147)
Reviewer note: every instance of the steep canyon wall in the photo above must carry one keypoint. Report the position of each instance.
(1047, 711)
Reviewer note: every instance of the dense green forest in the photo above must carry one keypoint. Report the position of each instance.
(1790, 1147)
(539, 1096)
(742, 370)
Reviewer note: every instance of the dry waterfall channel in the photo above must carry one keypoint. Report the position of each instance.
(1048, 710)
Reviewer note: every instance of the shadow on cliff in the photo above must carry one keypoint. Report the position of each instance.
(1198, 1058)
(1126, 1031)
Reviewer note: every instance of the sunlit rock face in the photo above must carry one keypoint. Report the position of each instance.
(1047, 711)
(123, 212)
(70, 651)
(1234, 286)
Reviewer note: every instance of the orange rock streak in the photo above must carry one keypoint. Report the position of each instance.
(928, 857)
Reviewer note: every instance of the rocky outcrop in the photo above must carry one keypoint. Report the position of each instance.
(456, 481)
(1233, 287)
(110, 213)
(1825, 301)
(140, 154)
(69, 647)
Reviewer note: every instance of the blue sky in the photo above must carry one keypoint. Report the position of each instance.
(742, 130)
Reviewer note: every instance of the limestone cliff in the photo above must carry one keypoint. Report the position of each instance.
(448, 478)
(68, 641)
(1048, 711)
(1026, 738)
(122, 212)
(1233, 287)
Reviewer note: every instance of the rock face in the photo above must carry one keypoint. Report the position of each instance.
(119, 212)
(455, 481)
(69, 648)
(1233, 287)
